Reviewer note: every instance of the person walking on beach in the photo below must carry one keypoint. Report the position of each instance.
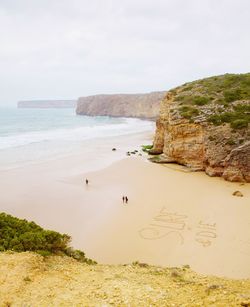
(126, 200)
(123, 199)
(86, 181)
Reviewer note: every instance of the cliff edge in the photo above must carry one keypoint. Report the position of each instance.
(28, 279)
(205, 125)
(144, 106)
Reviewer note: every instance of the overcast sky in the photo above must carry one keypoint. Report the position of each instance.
(63, 49)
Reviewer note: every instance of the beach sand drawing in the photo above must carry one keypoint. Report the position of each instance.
(175, 224)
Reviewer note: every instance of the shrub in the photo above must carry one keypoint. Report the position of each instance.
(215, 119)
(200, 100)
(146, 148)
(238, 118)
(193, 100)
(232, 95)
(188, 112)
(20, 235)
(230, 142)
(187, 88)
(239, 124)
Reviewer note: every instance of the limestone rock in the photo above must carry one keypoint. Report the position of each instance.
(237, 164)
(237, 193)
(198, 128)
(121, 105)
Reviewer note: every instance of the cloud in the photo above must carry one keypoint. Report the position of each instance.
(65, 49)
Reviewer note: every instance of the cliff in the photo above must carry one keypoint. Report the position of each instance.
(28, 279)
(40, 104)
(205, 126)
(123, 105)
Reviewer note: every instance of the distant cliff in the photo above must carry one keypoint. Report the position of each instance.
(40, 104)
(205, 126)
(123, 105)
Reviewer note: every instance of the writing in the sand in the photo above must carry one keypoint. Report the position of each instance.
(165, 224)
(172, 224)
(205, 233)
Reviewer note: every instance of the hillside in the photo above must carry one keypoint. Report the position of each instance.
(27, 279)
(144, 106)
(44, 104)
(205, 125)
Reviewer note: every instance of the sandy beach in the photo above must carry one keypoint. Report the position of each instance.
(173, 217)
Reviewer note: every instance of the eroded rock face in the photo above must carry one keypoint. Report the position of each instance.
(237, 164)
(200, 145)
(121, 105)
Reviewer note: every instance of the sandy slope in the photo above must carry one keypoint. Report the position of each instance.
(28, 280)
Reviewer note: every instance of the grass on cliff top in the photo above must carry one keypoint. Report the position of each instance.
(20, 235)
(197, 97)
(229, 87)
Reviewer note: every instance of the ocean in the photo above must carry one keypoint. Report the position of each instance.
(31, 135)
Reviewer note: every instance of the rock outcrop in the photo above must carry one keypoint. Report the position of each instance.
(144, 106)
(44, 104)
(205, 126)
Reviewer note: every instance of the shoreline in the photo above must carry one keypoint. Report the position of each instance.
(172, 217)
(106, 143)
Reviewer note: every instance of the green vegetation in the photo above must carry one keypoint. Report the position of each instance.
(20, 235)
(204, 96)
(232, 86)
(146, 148)
(188, 111)
(239, 124)
(238, 118)
(193, 100)
(230, 142)
(187, 88)
(201, 100)
(232, 95)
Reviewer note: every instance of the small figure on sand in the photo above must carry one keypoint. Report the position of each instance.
(123, 199)
(86, 181)
(126, 199)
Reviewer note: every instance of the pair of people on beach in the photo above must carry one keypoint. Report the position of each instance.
(125, 199)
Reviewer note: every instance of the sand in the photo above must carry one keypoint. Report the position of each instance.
(173, 217)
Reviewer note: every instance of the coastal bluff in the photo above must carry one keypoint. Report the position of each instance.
(145, 106)
(205, 125)
(43, 104)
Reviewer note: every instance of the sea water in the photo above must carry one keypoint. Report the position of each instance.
(30, 135)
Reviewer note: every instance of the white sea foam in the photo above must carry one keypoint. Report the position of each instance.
(76, 134)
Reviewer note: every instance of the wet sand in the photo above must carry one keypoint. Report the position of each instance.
(173, 217)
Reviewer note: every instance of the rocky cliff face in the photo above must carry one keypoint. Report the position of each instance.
(205, 126)
(44, 104)
(123, 105)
